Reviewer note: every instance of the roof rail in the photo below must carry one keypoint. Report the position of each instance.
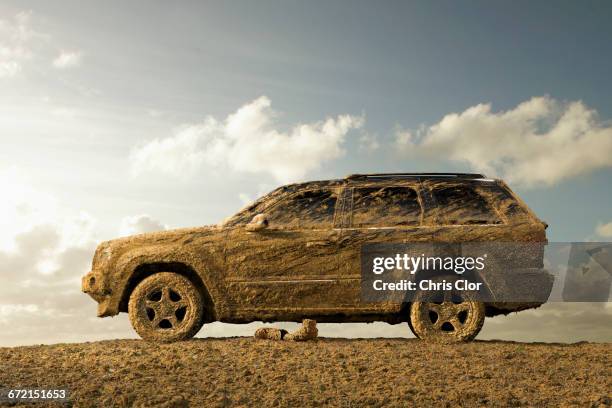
(415, 175)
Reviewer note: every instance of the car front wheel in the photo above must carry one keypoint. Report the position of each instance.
(446, 316)
(166, 307)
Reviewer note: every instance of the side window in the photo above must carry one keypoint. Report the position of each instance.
(461, 205)
(312, 209)
(506, 203)
(385, 207)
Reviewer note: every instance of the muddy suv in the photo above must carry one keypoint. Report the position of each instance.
(295, 254)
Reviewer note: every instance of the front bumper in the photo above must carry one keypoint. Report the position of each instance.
(92, 284)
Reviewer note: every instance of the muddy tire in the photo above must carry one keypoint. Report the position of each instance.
(166, 307)
(446, 316)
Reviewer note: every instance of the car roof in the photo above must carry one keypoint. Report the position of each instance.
(420, 176)
(376, 177)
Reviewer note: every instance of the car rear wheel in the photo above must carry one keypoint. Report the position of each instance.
(166, 307)
(446, 316)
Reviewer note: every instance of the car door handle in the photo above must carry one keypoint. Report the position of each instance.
(328, 242)
(322, 243)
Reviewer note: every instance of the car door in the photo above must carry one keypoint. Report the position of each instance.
(465, 221)
(380, 212)
(290, 267)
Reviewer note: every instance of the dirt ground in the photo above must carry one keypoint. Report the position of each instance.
(325, 372)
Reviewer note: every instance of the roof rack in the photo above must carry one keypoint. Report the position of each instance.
(414, 175)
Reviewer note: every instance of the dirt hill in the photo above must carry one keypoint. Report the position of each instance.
(325, 372)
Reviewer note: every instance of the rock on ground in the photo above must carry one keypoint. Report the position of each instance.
(308, 331)
(270, 333)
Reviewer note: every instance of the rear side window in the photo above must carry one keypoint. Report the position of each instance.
(385, 207)
(312, 209)
(460, 205)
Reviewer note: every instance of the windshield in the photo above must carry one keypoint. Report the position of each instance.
(250, 210)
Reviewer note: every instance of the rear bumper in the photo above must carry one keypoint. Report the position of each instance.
(522, 288)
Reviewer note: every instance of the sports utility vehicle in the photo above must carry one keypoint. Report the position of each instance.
(295, 254)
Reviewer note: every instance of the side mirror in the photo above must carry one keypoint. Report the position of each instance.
(258, 223)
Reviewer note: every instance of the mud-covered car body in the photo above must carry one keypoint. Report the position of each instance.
(295, 253)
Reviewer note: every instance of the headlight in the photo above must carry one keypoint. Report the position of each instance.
(102, 255)
(106, 254)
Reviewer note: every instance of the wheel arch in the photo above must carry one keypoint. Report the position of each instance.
(145, 270)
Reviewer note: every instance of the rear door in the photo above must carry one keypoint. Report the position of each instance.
(379, 212)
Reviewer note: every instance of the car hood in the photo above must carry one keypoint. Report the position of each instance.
(176, 236)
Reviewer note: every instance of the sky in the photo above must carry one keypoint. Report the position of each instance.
(118, 118)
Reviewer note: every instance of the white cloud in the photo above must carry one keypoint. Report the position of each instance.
(67, 59)
(15, 35)
(139, 224)
(20, 44)
(540, 141)
(555, 321)
(245, 199)
(44, 250)
(64, 112)
(36, 227)
(404, 138)
(369, 142)
(604, 230)
(9, 69)
(247, 141)
(22, 207)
